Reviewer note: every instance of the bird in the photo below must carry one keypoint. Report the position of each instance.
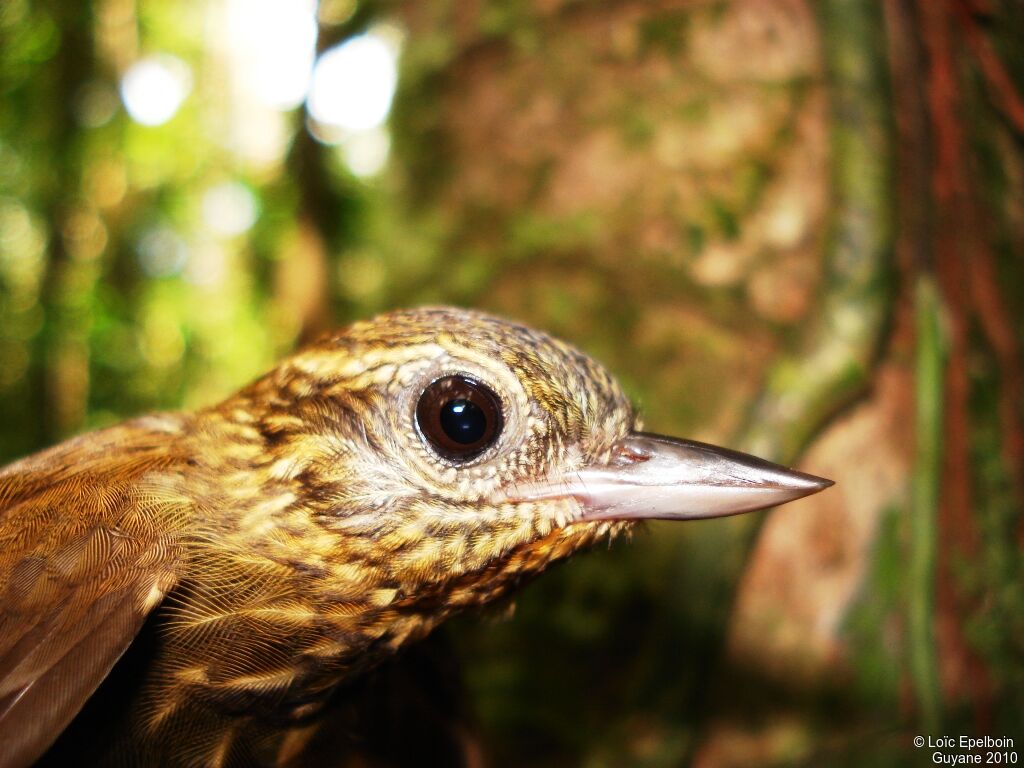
(290, 539)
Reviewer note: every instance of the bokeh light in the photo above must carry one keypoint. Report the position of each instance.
(350, 98)
(95, 104)
(366, 152)
(162, 252)
(229, 209)
(353, 84)
(154, 88)
(274, 43)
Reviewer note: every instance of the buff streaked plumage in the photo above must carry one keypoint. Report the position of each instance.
(296, 534)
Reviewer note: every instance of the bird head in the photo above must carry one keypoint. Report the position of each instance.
(341, 506)
(437, 457)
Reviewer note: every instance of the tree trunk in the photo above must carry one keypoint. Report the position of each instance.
(782, 224)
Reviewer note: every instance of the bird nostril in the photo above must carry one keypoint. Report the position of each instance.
(625, 454)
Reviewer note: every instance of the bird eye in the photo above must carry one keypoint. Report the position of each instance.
(459, 417)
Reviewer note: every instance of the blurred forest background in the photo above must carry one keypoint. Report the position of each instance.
(791, 226)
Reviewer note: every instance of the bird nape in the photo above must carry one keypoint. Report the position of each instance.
(289, 539)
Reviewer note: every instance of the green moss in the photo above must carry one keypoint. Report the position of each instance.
(696, 238)
(505, 19)
(874, 627)
(752, 180)
(724, 219)
(993, 579)
(666, 32)
(536, 233)
(637, 127)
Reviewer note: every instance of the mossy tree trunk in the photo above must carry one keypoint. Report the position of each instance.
(741, 207)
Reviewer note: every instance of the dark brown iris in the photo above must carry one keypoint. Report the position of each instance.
(459, 417)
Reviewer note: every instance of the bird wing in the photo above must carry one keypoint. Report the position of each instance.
(90, 542)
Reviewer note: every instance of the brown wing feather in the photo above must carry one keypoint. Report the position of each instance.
(90, 542)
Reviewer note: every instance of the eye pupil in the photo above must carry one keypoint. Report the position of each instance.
(463, 422)
(459, 417)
